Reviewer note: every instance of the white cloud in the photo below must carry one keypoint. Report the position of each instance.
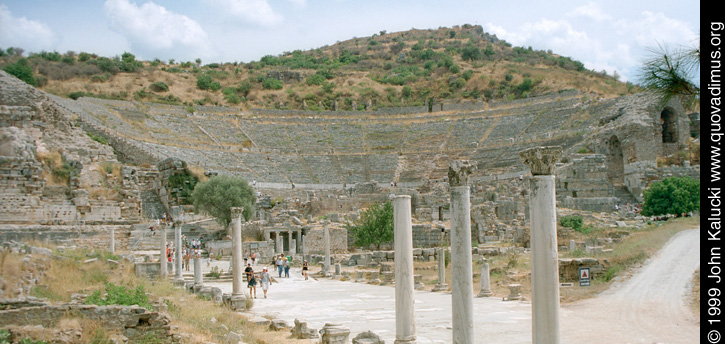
(656, 27)
(24, 33)
(590, 11)
(156, 31)
(251, 11)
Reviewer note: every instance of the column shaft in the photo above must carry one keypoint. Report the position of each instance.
(179, 254)
(544, 261)
(163, 268)
(237, 259)
(462, 266)
(326, 267)
(404, 282)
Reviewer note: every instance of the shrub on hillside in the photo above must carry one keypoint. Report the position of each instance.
(205, 82)
(21, 70)
(159, 86)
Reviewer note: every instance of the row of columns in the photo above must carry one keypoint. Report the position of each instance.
(544, 255)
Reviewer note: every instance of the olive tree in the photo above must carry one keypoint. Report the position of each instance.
(216, 196)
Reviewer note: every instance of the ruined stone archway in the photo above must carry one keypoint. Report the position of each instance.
(668, 120)
(615, 161)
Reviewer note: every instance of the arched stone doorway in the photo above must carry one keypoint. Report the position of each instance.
(615, 161)
(668, 120)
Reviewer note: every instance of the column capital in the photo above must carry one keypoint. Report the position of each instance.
(237, 212)
(541, 160)
(459, 172)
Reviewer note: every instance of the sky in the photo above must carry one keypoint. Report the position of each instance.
(610, 35)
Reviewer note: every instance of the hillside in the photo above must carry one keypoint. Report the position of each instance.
(445, 65)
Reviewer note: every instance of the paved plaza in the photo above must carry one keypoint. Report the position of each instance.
(630, 312)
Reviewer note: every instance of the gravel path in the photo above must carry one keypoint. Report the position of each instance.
(650, 307)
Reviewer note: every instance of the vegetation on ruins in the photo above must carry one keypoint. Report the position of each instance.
(674, 195)
(182, 185)
(374, 226)
(120, 295)
(384, 70)
(216, 196)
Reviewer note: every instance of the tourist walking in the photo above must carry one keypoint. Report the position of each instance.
(305, 268)
(280, 265)
(286, 268)
(251, 281)
(266, 281)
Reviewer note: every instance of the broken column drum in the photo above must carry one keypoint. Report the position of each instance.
(441, 285)
(461, 256)
(485, 281)
(198, 276)
(404, 281)
(544, 255)
(113, 241)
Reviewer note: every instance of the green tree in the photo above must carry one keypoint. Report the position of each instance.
(216, 197)
(674, 195)
(471, 52)
(374, 226)
(22, 70)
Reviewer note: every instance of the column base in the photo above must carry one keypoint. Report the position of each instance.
(179, 282)
(440, 287)
(485, 293)
(238, 302)
(405, 341)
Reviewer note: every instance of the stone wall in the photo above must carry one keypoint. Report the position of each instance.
(315, 243)
(133, 322)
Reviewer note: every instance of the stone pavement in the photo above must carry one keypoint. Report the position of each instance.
(363, 307)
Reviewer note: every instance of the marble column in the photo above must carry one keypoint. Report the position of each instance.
(279, 243)
(178, 279)
(289, 241)
(113, 240)
(237, 258)
(326, 267)
(461, 256)
(198, 275)
(404, 282)
(485, 281)
(544, 256)
(441, 285)
(163, 267)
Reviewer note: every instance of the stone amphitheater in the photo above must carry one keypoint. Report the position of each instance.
(337, 151)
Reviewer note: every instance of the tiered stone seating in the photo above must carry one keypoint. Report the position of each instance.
(279, 146)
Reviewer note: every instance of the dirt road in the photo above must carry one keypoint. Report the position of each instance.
(648, 308)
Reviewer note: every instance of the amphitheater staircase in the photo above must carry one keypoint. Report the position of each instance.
(624, 196)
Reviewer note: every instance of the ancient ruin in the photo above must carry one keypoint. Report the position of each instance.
(454, 169)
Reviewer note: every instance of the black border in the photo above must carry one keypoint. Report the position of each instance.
(712, 47)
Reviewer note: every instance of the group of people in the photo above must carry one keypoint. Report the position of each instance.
(190, 248)
(264, 278)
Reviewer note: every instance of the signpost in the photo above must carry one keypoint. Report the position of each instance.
(585, 277)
